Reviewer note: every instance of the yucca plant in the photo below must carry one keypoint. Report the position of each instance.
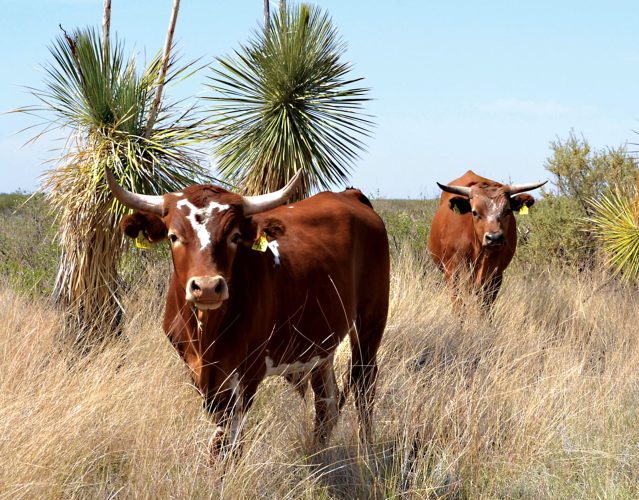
(109, 108)
(285, 102)
(615, 223)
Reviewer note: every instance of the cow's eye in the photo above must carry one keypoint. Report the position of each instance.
(173, 238)
(474, 213)
(235, 238)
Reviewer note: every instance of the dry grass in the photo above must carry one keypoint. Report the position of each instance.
(542, 402)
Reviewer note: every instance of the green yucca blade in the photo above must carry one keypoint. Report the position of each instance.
(283, 102)
(108, 103)
(616, 225)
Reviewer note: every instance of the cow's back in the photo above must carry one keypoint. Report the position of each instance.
(339, 235)
(333, 272)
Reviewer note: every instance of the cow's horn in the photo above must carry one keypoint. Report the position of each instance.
(520, 188)
(462, 190)
(148, 203)
(262, 202)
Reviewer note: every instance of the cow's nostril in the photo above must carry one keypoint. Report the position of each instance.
(194, 286)
(218, 287)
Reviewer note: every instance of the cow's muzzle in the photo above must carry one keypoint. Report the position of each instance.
(494, 239)
(207, 292)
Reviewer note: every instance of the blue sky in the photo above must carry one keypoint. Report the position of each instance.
(456, 85)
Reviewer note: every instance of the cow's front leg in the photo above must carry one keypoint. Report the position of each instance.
(226, 440)
(326, 393)
(488, 293)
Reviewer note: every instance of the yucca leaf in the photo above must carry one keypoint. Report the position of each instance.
(615, 221)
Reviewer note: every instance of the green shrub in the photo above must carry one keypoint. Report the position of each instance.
(28, 254)
(557, 232)
(407, 223)
(551, 234)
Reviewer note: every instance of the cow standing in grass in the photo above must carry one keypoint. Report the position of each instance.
(262, 289)
(474, 231)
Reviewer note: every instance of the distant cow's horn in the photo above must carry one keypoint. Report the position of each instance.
(148, 203)
(262, 202)
(462, 190)
(520, 188)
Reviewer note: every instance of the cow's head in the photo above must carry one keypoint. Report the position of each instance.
(491, 206)
(204, 225)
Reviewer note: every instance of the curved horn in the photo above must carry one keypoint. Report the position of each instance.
(520, 188)
(148, 203)
(462, 190)
(262, 202)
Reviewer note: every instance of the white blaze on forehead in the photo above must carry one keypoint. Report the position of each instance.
(204, 214)
(495, 208)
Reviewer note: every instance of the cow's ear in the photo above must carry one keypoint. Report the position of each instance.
(460, 204)
(516, 202)
(151, 225)
(273, 228)
(252, 229)
(248, 231)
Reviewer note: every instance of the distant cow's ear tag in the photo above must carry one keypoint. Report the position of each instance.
(142, 242)
(261, 244)
(456, 209)
(524, 209)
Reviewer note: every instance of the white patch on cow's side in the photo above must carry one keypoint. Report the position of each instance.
(205, 213)
(291, 206)
(179, 194)
(289, 368)
(273, 245)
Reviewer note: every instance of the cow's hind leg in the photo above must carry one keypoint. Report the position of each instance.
(362, 379)
(326, 394)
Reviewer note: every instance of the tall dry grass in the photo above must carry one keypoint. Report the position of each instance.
(540, 402)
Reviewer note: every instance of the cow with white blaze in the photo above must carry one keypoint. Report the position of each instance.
(261, 288)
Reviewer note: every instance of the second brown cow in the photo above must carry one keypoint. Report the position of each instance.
(474, 232)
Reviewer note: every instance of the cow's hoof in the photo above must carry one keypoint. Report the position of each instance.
(215, 446)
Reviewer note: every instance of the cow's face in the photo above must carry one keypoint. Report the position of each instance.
(204, 225)
(491, 208)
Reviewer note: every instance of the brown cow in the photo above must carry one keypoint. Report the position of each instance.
(474, 230)
(261, 289)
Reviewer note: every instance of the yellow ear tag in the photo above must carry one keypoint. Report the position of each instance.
(261, 244)
(141, 241)
(456, 210)
(523, 210)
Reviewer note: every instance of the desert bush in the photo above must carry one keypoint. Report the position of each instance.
(407, 222)
(551, 235)
(560, 229)
(29, 254)
(583, 173)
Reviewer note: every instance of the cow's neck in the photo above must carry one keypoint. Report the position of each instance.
(225, 329)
